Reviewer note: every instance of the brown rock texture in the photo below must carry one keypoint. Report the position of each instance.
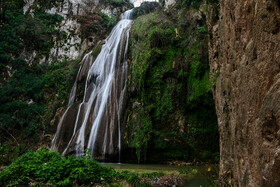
(244, 52)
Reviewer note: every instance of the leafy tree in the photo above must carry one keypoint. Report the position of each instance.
(21, 84)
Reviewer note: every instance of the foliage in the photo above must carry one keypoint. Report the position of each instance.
(44, 167)
(202, 29)
(31, 93)
(49, 168)
(10, 152)
(110, 22)
(15, 112)
(61, 77)
(21, 31)
(189, 171)
(23, 96)
(36, 32)
(27, 88)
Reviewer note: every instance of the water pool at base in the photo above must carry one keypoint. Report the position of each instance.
(195, 181)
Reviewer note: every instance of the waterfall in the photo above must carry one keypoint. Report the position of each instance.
(95, 122)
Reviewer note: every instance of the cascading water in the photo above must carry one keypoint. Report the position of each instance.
(95, 123)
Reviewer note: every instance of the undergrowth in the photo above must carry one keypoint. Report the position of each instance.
(49, 168)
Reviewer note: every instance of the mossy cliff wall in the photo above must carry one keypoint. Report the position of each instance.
(244, 53)
(170, 113)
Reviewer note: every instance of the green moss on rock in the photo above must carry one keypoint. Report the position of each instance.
(170, 81)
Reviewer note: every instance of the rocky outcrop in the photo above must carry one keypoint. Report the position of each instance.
(71, 46)
(245, 64)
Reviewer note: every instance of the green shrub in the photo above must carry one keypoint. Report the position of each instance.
(188, 171)
(44, 167)
(21, 89)
(110, 22)
(10, 152)
(23, 97)
(49, 168)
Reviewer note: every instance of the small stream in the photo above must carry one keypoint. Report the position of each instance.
(196, 181)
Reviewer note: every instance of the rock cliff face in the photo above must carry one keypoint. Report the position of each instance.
(170, 110)
(73, 44)
(245, 64)
(71, 47)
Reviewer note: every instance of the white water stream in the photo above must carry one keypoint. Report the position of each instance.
(97, 118)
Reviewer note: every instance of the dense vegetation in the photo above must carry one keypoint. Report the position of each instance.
(172, 113)
(44, 168)
(22, 97)
(31, 92)
(49, 168)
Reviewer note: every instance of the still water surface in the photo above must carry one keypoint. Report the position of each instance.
(199, 181)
